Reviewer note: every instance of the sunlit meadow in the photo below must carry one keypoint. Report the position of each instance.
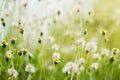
(59, 39)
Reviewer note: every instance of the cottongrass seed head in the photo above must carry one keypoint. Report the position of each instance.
(55, 47)
(97, 56)
(81, 42)
(91, 47)
(70, 67)
(105, 52)
(80, 61)
(30, 68)
(56, 58)
(94, 66)
(12, 72)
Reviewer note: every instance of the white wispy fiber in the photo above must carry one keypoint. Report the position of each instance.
(91, 46)
(70, 67)
(12, 72)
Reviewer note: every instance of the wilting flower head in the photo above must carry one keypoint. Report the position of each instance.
(19, 21)
(22, 52)
(25, 51)
(56, 58)
(85, 32)
(8, 56)
(41, 33)
(39, 39)
(13, 40)
(12, 72)
(21, 30)
(58, 12)
(91, 47)
(4, 44)
(112, 59)
(105, 52)
(94, 65)
(30, 68)
(104, 32)
(70, 67)
(97, 56)
(3, 21)
(55, 47)
(29, 55)
(81, 42)
(115, 51)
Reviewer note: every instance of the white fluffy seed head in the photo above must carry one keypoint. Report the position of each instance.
(70, 67)
(30, 68)
(55, 47)
(94, 65)
(91, 46)
(105, 52)
(97, 56)
(12, 72)
(81, 42)
(80, 61)
(56, 57)
(9, 54)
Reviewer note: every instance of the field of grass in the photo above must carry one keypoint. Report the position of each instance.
(59, 40)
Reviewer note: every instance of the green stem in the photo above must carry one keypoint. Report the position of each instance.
(72, 76)
(66, 77)
(29, 77)
(111, 70)
(77, 76)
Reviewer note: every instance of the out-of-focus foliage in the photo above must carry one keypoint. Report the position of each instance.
(59, 39)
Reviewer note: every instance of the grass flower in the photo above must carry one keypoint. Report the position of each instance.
(29, 55)
(9, 53)
(104, 32)
(81, 42)
(20, 52)
(7, 57)
(13, 40)
(94, 66)
(91, 47)
(4, 44)
(70, 67)
(81, 61)
(85, 32)
(12, 72)
(30, 68)
(112, 59)
(25, 51)
(58, 12)
(56, 58)
(105, 52)
(115, 51)
(39, 39)
(96, 56)
(21, 30)
(19, 21)
(3, 22)
(41, 33)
